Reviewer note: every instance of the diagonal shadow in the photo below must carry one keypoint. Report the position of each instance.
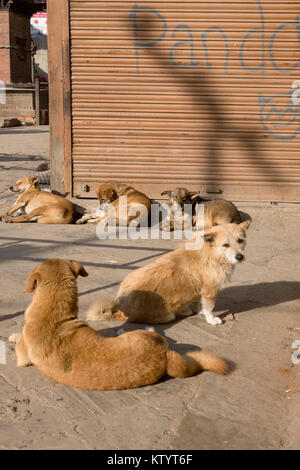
(98, 289)
(85, 242)
(9, 317)
(185, 76)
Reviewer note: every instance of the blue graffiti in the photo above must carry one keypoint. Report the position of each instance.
(255, 30)
(281, 122)
(137, 42)
(190, 41)
(180, 43)
(274, 35)
(203, 38)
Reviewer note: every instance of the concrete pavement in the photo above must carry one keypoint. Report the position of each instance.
(257, 406)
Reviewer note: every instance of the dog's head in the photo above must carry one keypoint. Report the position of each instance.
(178, 196)
(228, 217)
(220, 212)
(24, 183)
(108, 192)
(228, 241)
(54, 270)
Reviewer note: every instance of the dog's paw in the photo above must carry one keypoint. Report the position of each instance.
(80, 221)
(13, 338)
(7, 220)
(215, 321)
(150, 328)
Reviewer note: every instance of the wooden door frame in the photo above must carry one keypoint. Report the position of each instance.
(59, 96)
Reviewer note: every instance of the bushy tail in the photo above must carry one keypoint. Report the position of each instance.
(192, 362)
(102, 310)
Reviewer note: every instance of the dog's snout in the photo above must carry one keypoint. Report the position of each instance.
(11, 188)
(239, 257)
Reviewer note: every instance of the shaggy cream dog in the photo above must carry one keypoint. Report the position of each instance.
(178, 282)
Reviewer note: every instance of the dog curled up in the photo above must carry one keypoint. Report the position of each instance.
(216, 211)
(177, 283)
(35, 204)
(70, 352)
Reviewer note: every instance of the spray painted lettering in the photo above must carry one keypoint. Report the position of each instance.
(280, 121)
(189, 41)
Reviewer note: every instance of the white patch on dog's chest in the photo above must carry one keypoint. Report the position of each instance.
(102, 209)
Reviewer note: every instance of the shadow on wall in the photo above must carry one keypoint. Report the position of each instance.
(193, 80)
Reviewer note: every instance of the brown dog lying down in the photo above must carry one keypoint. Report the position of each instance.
(34, 204)
(175, 283)
(108, 195)
(70, 352)
(216, 211)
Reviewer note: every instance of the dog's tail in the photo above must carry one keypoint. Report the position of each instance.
(102, 309)
(192, 362)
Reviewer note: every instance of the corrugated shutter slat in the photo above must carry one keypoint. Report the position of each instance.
(190, 93)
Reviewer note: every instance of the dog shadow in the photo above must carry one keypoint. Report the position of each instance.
(239, 299)
(232, 300)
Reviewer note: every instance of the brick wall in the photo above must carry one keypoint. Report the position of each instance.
(15, 63)
(20, 41)
(4, 43)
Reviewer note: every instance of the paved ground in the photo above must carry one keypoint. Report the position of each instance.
(257, 406)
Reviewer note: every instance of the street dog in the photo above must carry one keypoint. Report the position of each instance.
(216, 211)
(178, 282)
(35, 204)
(71, 352)
(120, 205)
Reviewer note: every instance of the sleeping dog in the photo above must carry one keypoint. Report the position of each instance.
(216, 211)
(35, 204)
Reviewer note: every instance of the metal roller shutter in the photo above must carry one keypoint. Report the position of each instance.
(187, 93)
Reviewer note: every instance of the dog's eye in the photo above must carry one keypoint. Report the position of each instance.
(240, 240)
(226, 245)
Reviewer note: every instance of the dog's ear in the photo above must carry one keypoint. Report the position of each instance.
(78, 269)
(245, 225)
(168, 193)
(35, 181)
(111, 195)
(210, 238)
(31, 282)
